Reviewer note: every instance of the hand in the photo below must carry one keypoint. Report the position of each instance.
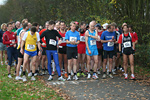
(43, 44)
(13, 42)
(14, 45)
(110, 40)
(112, 37)
(133, 52)
(21, 51)
(39, 53)
(59, 42)
(120, 52)
(89, 51)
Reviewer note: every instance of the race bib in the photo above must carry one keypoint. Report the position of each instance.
(127, 44)
(93, 42)
(30, 47)
(52, 42)
(82, 38)
(110, 44)
(73, 39)
(13, 40)
(63, 40)
(60, 46)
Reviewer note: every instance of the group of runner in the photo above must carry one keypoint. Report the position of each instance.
(80, 50)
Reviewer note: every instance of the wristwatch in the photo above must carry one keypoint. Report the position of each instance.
(89, 35)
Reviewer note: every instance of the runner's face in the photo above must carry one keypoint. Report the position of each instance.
(62, 26)
(73, 27)
(125, 29)
(112, 28)
(92, 26)
(4, 27)
(83, 26)
(9, 28)
(46, 25)
(130, 29)
(52, 26)
(57, 26)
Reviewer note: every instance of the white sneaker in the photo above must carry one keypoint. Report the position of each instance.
(18, 78)
(50, 78)
(95, 76)
(72, 73)
(89, 76)
(9, 76)
(2, 63)
(33, 78)
(29, 74)
(61, 79)
(43, 73)
(24, 78)
(98, 72)
(35, 74)
(114, 73)
(69, 78)
(75, 77)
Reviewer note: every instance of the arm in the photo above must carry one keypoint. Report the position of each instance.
(86, 41)
(133, 45)
(119, 47)
(6, 40)
(22, 44)
(95, 37)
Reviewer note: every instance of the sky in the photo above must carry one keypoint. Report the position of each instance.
(2, 2)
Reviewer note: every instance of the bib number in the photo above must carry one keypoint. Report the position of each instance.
(93, 42)
(73, 39)
(52, 42)
(110, 44)
(82, 38)
(30, 47)
(127, 44)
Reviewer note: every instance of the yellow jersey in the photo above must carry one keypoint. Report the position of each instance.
(30, 43)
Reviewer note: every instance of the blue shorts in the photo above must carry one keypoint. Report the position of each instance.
(31, 53)
(94, 52)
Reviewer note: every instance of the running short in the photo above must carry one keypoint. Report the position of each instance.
(44, 51)
(19, 53)
(93, 52)
(81, 49)
(32, 54)
(62, 50)
(72, 52)
(128, 51)
(2, 47)
(100, 52)
(108, 53)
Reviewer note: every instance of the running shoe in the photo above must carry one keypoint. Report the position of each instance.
(66, 75)
(111, 76)
(61, 79)
(18, 78)
(95, 76)
(24, 79)
(29, 74)
(83, 74)
(50, 78)
(2, 63)
(98, 72)
(53, 73)
(33, 78)
(132, 77)
(126, 76)
(78, 74)
(9, 76)
(104, 76)
(69, 78)
(75, 77)
(89, 76)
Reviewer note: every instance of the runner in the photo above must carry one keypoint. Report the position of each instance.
(63, 49)
(81, 50)
(99, 47)
(51, 48)
(44, 59)
(108, 38)
(128, 45)
(72, 38)
(3, 47)
(30, 39)
(134, 33)
(20, 56)
(91, 48)
(10, 40)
